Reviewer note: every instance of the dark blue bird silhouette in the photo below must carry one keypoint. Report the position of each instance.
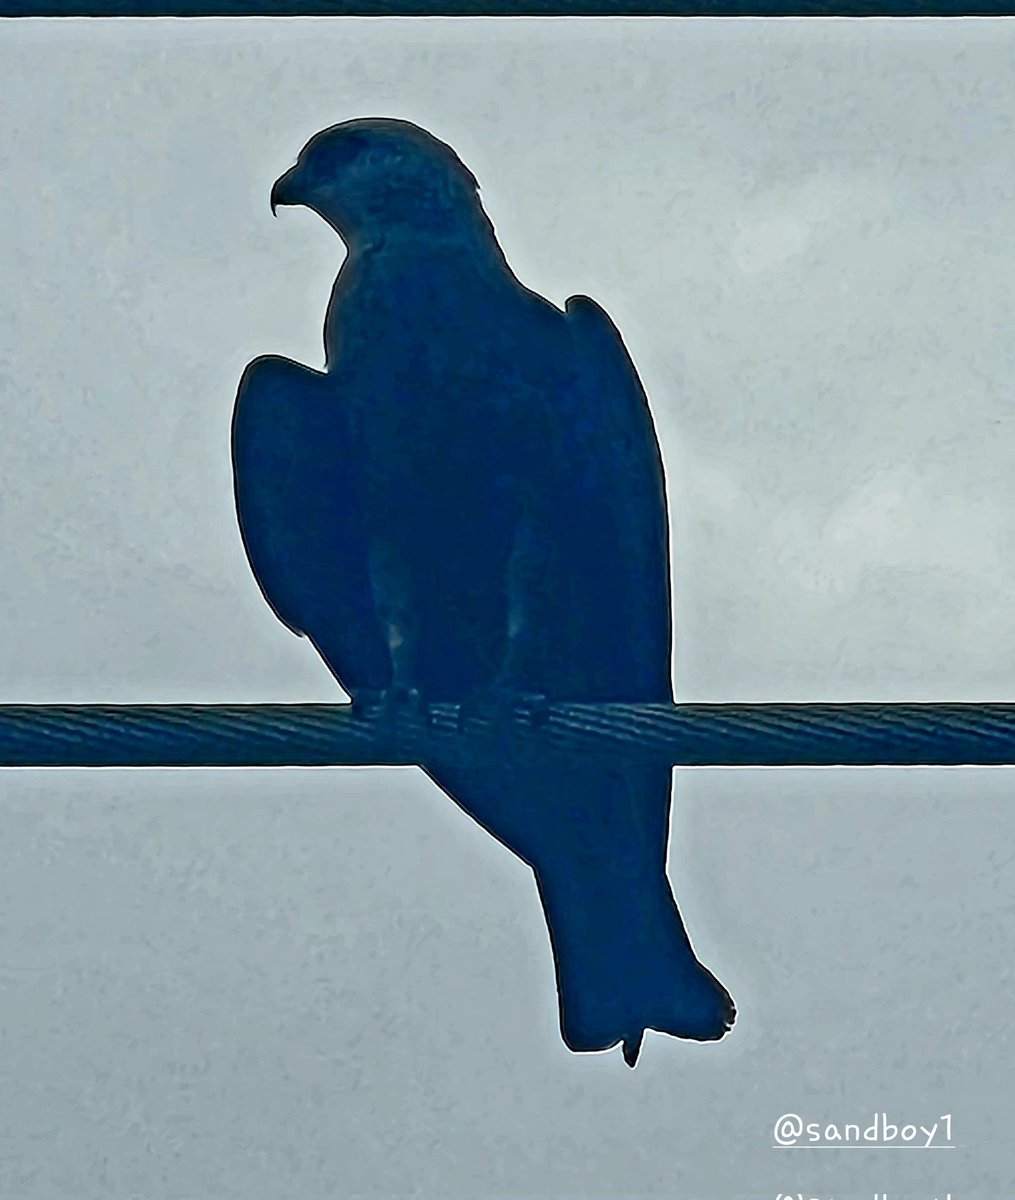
(468, 505)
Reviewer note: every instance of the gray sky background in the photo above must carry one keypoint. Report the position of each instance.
(328, 983)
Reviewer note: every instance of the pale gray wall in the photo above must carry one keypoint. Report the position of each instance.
(328, 983)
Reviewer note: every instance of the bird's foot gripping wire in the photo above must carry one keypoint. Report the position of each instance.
(392, 706)
(503, 702)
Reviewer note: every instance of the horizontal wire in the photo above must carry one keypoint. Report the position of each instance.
(276, 735)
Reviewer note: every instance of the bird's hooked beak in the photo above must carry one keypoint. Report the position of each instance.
(284, 191)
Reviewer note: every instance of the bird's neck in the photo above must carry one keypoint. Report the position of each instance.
(411, 245)
(408, 272)
(406, 268)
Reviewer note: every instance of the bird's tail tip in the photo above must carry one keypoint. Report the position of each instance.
(632, 1048)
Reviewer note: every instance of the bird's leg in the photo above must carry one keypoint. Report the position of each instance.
(521, 669)
(516, 689)
(396, 611)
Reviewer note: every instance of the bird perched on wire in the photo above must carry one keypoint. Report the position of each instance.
(468, 505)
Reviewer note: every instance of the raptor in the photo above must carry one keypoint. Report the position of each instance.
(468, 504)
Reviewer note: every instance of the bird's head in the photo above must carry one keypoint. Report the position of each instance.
(373, 176)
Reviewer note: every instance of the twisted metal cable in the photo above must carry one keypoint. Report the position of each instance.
(277, 735)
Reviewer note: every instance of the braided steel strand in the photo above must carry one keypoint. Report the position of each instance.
(683, 735)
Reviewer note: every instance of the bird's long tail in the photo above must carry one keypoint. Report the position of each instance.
(596, 839)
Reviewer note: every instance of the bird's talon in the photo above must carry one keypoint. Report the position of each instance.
(366, 702)
(392, 705)
(533, 708)
(504, 704)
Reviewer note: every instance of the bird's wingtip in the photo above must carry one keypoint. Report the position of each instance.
(578, 303)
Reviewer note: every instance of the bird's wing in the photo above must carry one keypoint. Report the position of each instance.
(297, 488)
(623, 445)
(614, 394)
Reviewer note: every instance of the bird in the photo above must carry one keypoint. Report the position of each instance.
(467, 504)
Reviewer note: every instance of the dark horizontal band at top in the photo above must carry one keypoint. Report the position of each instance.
(501, 8)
